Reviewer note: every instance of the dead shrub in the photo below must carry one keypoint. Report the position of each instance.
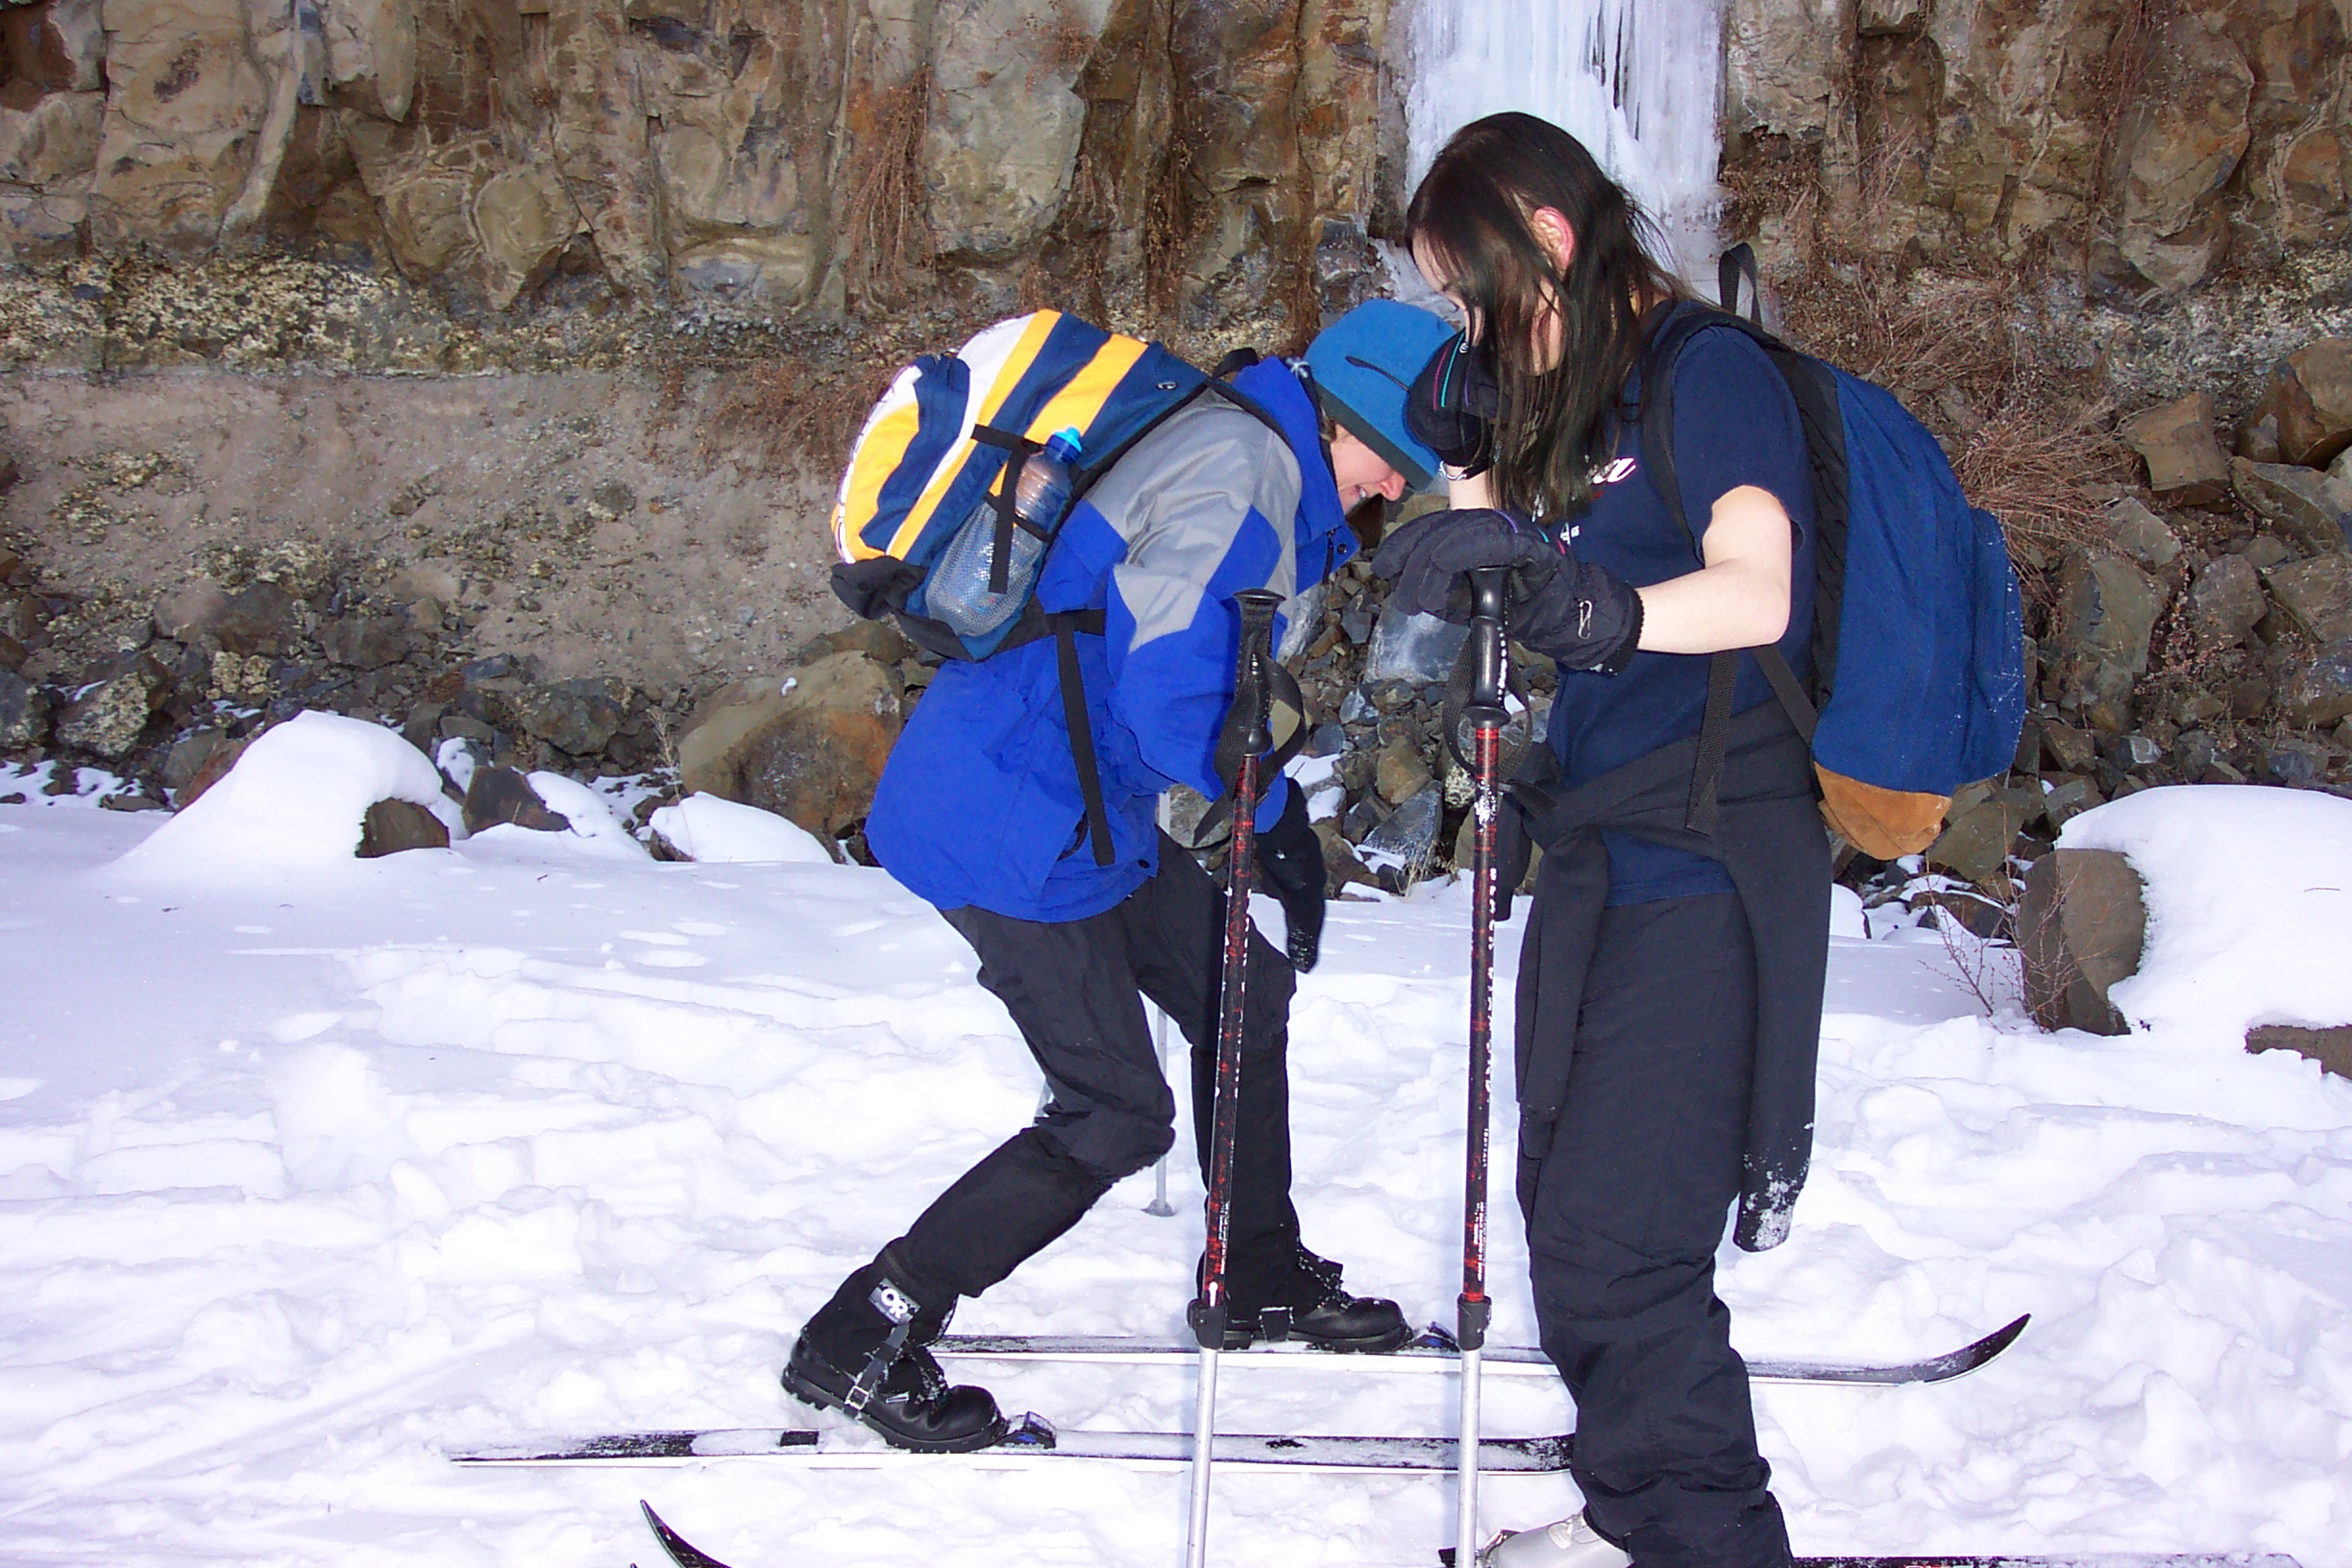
(884, 233)
(790, 408)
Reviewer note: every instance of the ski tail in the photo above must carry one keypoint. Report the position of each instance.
(682, 1552)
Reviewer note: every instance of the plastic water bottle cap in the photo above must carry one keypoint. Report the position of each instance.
(1065, 445)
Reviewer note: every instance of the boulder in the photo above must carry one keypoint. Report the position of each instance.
(2310, 397)
(187, 757)
(108, 719)
(878, 640)
(2185, 462)
(2081, 928)
(1979, 830)
(1399, 773)
(365, 642)
(1004, 126)
(2312, 507)
(523, 219)
(2258, 440)
(2178, 143)
(2098, 643)
(2072, 750)
(207, 771)
(2068, 798)
(262, 619)
(24, 714)
(188, 92)
(497, 795)
(2226, 599)
(371, 54)
(579, 717)
(810, 746)
(2284, 759)
(2318, 690)
(1398, 850)
(2317, 595)
(391, 826)
(190, 610)
(2141, 533)
(53, 140)
(2331, 1048)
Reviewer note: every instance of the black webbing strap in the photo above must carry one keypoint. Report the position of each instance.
(1006, 498)
(1066, 625)
(1714, 735)
(1789, 689)
(1736, 263)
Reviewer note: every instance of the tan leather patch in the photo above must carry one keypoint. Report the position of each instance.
(1881, 823)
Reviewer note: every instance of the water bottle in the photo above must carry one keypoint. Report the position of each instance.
(958, 590)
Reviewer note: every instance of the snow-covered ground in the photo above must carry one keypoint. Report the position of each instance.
(309, 1172)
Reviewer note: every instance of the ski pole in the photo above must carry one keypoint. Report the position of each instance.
(1248, 738)
(1160, 1207)
(1485, 716)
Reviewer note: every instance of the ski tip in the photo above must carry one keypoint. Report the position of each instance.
(682, 1552)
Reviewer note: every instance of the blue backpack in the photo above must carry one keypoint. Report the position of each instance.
(1919, 681)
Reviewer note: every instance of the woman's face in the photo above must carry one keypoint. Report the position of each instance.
(1549, 230)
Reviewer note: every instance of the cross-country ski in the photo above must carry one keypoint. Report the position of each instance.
(1433, 1349)
(1028, 1442)
(686, 1555)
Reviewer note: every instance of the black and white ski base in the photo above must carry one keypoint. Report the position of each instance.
(1034, 1441)
(1434, 1350)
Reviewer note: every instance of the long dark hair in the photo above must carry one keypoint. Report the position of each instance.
(1471, 216)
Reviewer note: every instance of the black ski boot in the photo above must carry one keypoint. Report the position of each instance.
(1311, 1306)
(862, 1354)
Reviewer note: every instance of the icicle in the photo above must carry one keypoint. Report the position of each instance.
(1638, 81)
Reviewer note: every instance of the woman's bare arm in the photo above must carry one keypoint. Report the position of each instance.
(1740, 599)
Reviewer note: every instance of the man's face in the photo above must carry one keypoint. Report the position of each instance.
(1362, 472)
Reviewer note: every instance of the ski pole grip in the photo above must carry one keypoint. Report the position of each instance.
(1257, 606)
(1489, 589)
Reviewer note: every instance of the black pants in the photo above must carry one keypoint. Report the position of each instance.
(1627, 1206)
(1075, 989)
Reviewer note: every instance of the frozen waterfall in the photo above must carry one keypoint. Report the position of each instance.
(1638, 81)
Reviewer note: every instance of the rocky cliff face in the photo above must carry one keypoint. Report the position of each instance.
(773, 155)
(2152, 142)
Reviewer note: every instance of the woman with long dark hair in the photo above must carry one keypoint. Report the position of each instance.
(1670, 982)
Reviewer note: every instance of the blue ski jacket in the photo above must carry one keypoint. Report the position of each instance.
(980, 803)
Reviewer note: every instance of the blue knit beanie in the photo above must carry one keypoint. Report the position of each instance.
(1363, 362)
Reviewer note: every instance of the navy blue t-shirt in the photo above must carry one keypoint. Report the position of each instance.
(1735, 424)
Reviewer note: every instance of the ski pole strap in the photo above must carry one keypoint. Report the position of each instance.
(1006, 498)
(1066, 625)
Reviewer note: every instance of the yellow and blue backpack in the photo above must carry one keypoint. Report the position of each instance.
(952, 433)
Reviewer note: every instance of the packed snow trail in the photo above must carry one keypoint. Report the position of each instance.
(308, 1176)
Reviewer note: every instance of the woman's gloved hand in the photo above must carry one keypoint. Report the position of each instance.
(1449, 407)
(1582, 615)
(1290, 859)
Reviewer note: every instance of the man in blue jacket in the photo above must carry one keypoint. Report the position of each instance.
(981, 812)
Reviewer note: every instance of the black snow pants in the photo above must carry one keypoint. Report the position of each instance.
(1075, 989)
(1625, 1210)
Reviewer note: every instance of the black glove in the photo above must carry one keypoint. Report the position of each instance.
(1449, 407)
(1291, 860)
(1581, 614)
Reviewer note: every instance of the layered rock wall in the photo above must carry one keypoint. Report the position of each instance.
(2152, 142)
(773, 155)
